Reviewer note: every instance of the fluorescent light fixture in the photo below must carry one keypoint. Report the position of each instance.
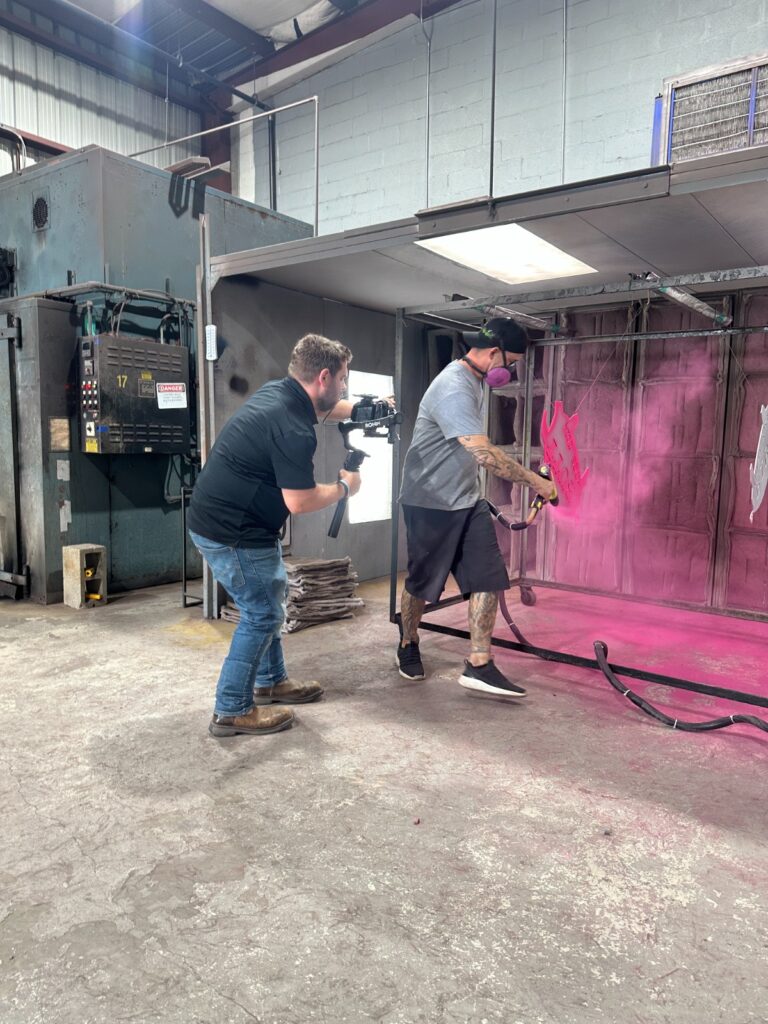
(508, 253)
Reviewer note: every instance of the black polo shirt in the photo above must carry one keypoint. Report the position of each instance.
(268, 444)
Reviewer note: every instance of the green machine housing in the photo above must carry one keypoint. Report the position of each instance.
(134, 396)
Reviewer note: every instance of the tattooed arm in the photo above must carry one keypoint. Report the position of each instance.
(502, 465)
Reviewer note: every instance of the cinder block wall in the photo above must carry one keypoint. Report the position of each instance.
(373, 163)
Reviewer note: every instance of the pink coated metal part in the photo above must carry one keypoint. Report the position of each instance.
(561, 454)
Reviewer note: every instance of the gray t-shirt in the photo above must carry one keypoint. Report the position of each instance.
(438, 471)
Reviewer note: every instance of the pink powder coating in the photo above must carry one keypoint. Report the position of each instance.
(561, 454)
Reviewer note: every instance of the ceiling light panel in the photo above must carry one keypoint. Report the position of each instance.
(508, 253)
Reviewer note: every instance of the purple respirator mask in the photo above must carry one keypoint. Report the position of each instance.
(498, 377)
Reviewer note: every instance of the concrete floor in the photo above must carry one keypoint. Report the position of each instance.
(574, 862)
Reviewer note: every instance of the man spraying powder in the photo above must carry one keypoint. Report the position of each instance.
(448, 525)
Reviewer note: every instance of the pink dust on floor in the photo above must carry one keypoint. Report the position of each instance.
(667, 436)
(712, 649)
(700, 647)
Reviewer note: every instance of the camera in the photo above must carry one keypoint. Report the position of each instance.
(369, 408)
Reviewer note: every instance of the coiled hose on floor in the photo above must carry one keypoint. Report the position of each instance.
(601, 656)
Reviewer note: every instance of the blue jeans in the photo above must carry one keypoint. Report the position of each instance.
(256, 580)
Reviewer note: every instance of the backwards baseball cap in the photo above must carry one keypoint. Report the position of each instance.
(498, 332)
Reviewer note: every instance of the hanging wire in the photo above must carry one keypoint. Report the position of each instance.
(611, 354)
(428, 39)
(167, 105)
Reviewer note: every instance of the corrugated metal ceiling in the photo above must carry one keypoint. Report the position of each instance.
(219, 37)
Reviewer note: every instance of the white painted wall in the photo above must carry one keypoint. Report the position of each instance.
(373, 104)
(59, 99)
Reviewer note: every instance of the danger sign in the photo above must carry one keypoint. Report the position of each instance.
(172, 396)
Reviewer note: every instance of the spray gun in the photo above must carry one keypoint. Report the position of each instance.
(534, 508)
(538, 502)
(375, 418)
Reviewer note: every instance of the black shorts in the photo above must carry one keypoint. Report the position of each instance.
(462, 542)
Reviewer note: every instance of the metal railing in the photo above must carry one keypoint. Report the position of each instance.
(246, 120)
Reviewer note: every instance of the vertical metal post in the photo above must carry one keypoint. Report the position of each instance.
(9, 408)
(187, 601)
(317, 165)
(546, 529)
(565, 91)
(184, 492)
(272, 146)
(629, 379)
(209, 363)
(732, 371)
(205, 392)
(399, 325)
(530, 360)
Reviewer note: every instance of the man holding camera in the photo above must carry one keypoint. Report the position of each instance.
(448, 525)
(259, 471)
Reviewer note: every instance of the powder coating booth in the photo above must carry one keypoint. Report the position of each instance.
(81, 232)
(669, 400)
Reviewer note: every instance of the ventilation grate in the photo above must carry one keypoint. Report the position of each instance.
(150, 433)
(159, 357)
(715, 116)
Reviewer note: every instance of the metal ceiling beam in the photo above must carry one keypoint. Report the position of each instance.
(560, 298)
(60, 13)
(366, 18)
(258, 44)
(611, 190)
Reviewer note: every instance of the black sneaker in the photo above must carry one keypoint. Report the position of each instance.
(409, 661)
(488, 679)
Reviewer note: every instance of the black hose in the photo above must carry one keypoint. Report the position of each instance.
(502, 520)
(601, 654)
(511, 622)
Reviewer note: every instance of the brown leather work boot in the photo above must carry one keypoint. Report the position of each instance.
(288, 692)
(257, 722)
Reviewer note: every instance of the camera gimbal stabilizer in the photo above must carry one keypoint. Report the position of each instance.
(376, 419)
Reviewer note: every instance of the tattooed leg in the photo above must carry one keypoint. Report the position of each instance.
(411, 610)
(482, 616)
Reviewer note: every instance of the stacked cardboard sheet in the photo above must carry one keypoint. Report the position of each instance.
(319, 590)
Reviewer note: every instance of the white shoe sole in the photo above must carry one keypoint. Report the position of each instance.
(470, 683)
(403, 674)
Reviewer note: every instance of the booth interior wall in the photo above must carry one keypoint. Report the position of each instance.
(741, 579)
(668, 428)
(595, 379)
